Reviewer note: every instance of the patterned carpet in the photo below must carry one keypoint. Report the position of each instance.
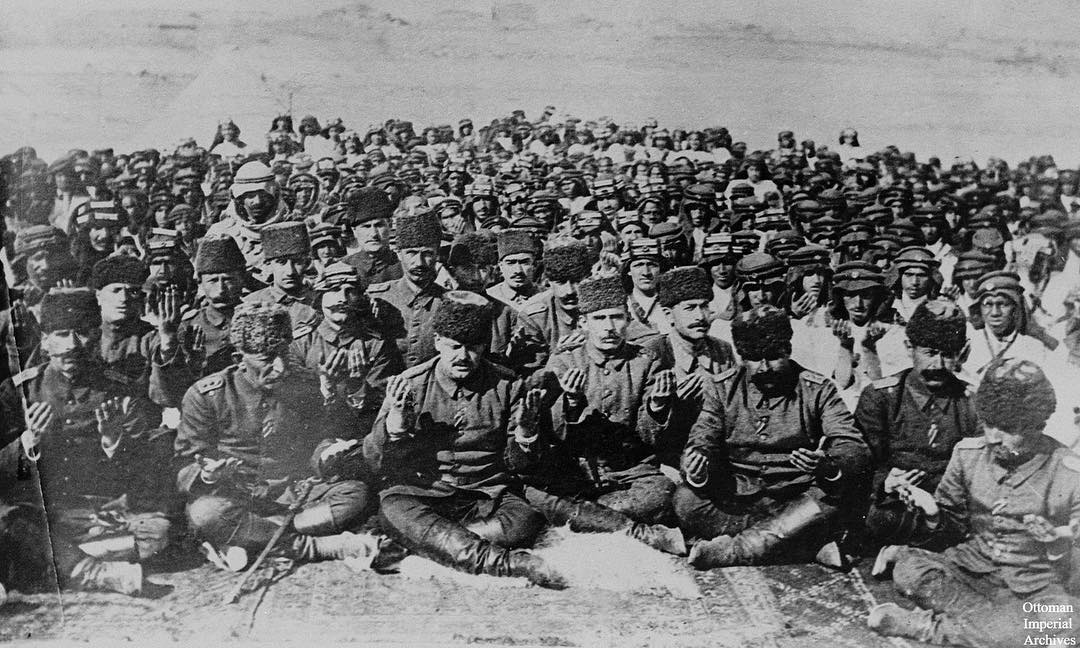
(795, 606)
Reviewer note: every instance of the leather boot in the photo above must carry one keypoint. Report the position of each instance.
(317, 520)
(449, 543)
(96, 575)
(334, 547)
(590, 517)
(891, 620)
(754, 545)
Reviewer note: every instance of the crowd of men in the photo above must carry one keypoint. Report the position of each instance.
(460, 337)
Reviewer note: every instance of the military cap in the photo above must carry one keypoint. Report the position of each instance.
(909, 232)
(772, 220)
(628, 218)
(464, 317)
(326, 234)
(99, 213)
(598, 293)
(888, 243)
(178, 213)
(927, 213)
(260, 327)
(760, 267)
(644, 248)
(784, 242)
(809, 256)
(683, 284)
(915, 256)
(303, 179)
(700, 193)
(973, 264)
(1015, 395)
(603, 186)
(65, 309)
(516, 242)
(740, 190)
(418, 230)
(938, 324)
(762, 333)
(285, 239)
(338, 274)
(480, 188)
(568, 260)
(1000, 282)
(39, 237)
(719, 245)
(588, 222)
(253, 176)
(669, 234)
(219, 254)
(808, 210)
(1051, 221)
(877, 214)
(987, 238)
(857, 275)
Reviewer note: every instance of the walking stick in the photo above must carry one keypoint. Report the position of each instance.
(303, 490)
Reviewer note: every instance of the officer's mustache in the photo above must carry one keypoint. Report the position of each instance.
(935, 375)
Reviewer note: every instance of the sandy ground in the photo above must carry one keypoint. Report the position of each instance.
(975, 78)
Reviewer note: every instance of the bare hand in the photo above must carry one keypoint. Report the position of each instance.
(215, 470)
(695, 465)
(802, 306)
(65, 283)
(529, 414)
(691, 387)
(111, 416)
(663, 390)
(169, 309)
(573, 384)
(874, 332)
(40, 419)
(842, 330)
(917, 498)
(332, 454)
(898, 478)
(807, 460)
(570, 341)
(951, 292)
(1044, 530)
(399, 407)
(357, 361)
(197, 347)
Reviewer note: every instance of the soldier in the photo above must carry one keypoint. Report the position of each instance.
(1008, 511)
(1000, 324)
(551, 318)
(451, 434)
(348, 351)
(204, 330)
(611, 400)
(287, 251)
(249, 434)
(916, 270)
(99, 452)
(519, 255)
(643, 266)
(772, 459)
(255, 204)
(369, 222)
(405, 306)
(912, 419)
(42, 260)
(688, 349)
(146, 356)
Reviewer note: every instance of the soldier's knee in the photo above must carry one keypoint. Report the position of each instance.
(912, 568)
(687, 502)
(522, 528)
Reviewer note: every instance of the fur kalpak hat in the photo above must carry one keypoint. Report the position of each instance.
(1015, 396)
(421, 229)
(285, 239)
(762, 333)
(516, 242)
(568, 261)
(219, 254)
(463, 317)
(118, 269)
(938, 324)
(65, 309)
(473, 248)
(260, 327)
(681, 284)
(601, 292)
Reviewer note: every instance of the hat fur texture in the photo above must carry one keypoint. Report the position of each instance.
(683, 284)
(763, 332)
(260, 327)
(568, 261)
(463, 317)
(417, 230)
(601, 292)
(938, 324)
(1015, 396)
(66, 309)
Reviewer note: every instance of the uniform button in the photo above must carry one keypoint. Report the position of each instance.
(68, 421)
(607, 372)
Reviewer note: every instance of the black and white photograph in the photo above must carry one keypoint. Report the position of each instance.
(547, 323)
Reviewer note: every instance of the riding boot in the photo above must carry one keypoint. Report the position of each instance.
(339, 546)
(449, 543)
(756, 544)
(590, 517)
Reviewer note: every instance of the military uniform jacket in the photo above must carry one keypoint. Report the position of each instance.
(376, 268)
(132, 349)
(275, 433)
(304, 318)
(749, 436)
(712, 359)
(215, 326)
(509, 296)
(405, 313)
(439, 459)
(383, 360)
(546, 323)
(612, 438)
(983, 505)
(74, 466)
(908, 427)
